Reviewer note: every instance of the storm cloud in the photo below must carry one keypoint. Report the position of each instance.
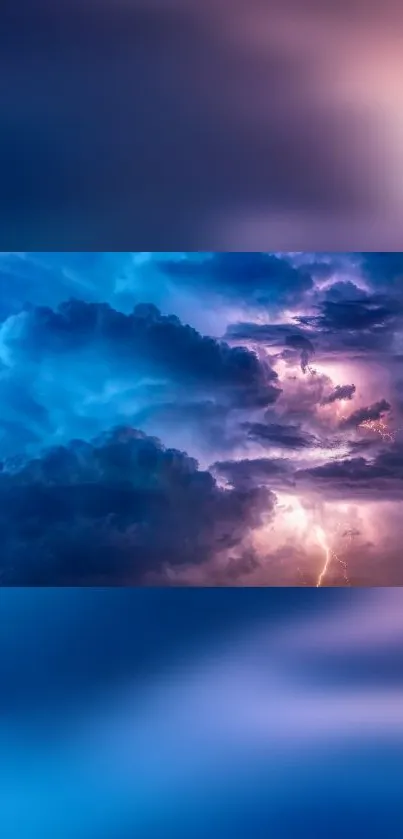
(341, 392)
(115, 510)
(200, 418)
(372, 413)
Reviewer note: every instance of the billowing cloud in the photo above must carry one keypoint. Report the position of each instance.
(116, 510)
(163, 342)
(262, 398)
(90, 364)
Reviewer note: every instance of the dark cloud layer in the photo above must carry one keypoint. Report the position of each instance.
(276, 336)
(282, 436)
(340, 392)
(373, 412)
(257, 472)
(86, 364)
(164, 342)
(369, 312)
(357, 477)
(115, 510)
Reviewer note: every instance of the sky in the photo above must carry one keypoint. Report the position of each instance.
(233, 124)
(214, 713)
(201, 418)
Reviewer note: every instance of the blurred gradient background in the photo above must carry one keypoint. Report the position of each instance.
(219, 713)
(180, 124)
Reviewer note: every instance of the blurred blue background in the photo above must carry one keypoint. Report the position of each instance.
(219, 713)
(171, 124)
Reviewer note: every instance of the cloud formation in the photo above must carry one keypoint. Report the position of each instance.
(258, 279)
(200, 418)
(372, 413)
(116, 510)
(341, 392)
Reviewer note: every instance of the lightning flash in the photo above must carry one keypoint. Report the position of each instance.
(379, 427)
(329, 557)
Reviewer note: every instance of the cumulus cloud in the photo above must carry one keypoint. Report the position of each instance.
(116, 510)
(166, 345)
(87, 363)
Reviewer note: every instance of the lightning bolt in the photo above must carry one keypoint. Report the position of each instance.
(322, 541)
(330, 556)
(379, 427)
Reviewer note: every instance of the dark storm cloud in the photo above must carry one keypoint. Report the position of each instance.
(275, 335)
(145, 124)
(305, 347)
(274, 435)
(352, 320)
(163, 341)
(114, 510)
(255, 472)
(342, 291)
(81, 368)
(369, 312)
(260, 279)
(373, 412)
(358, 477)
(340, 392)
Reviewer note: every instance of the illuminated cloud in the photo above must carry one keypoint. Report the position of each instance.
(380, 476)
(234, 375)
(373, 412)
